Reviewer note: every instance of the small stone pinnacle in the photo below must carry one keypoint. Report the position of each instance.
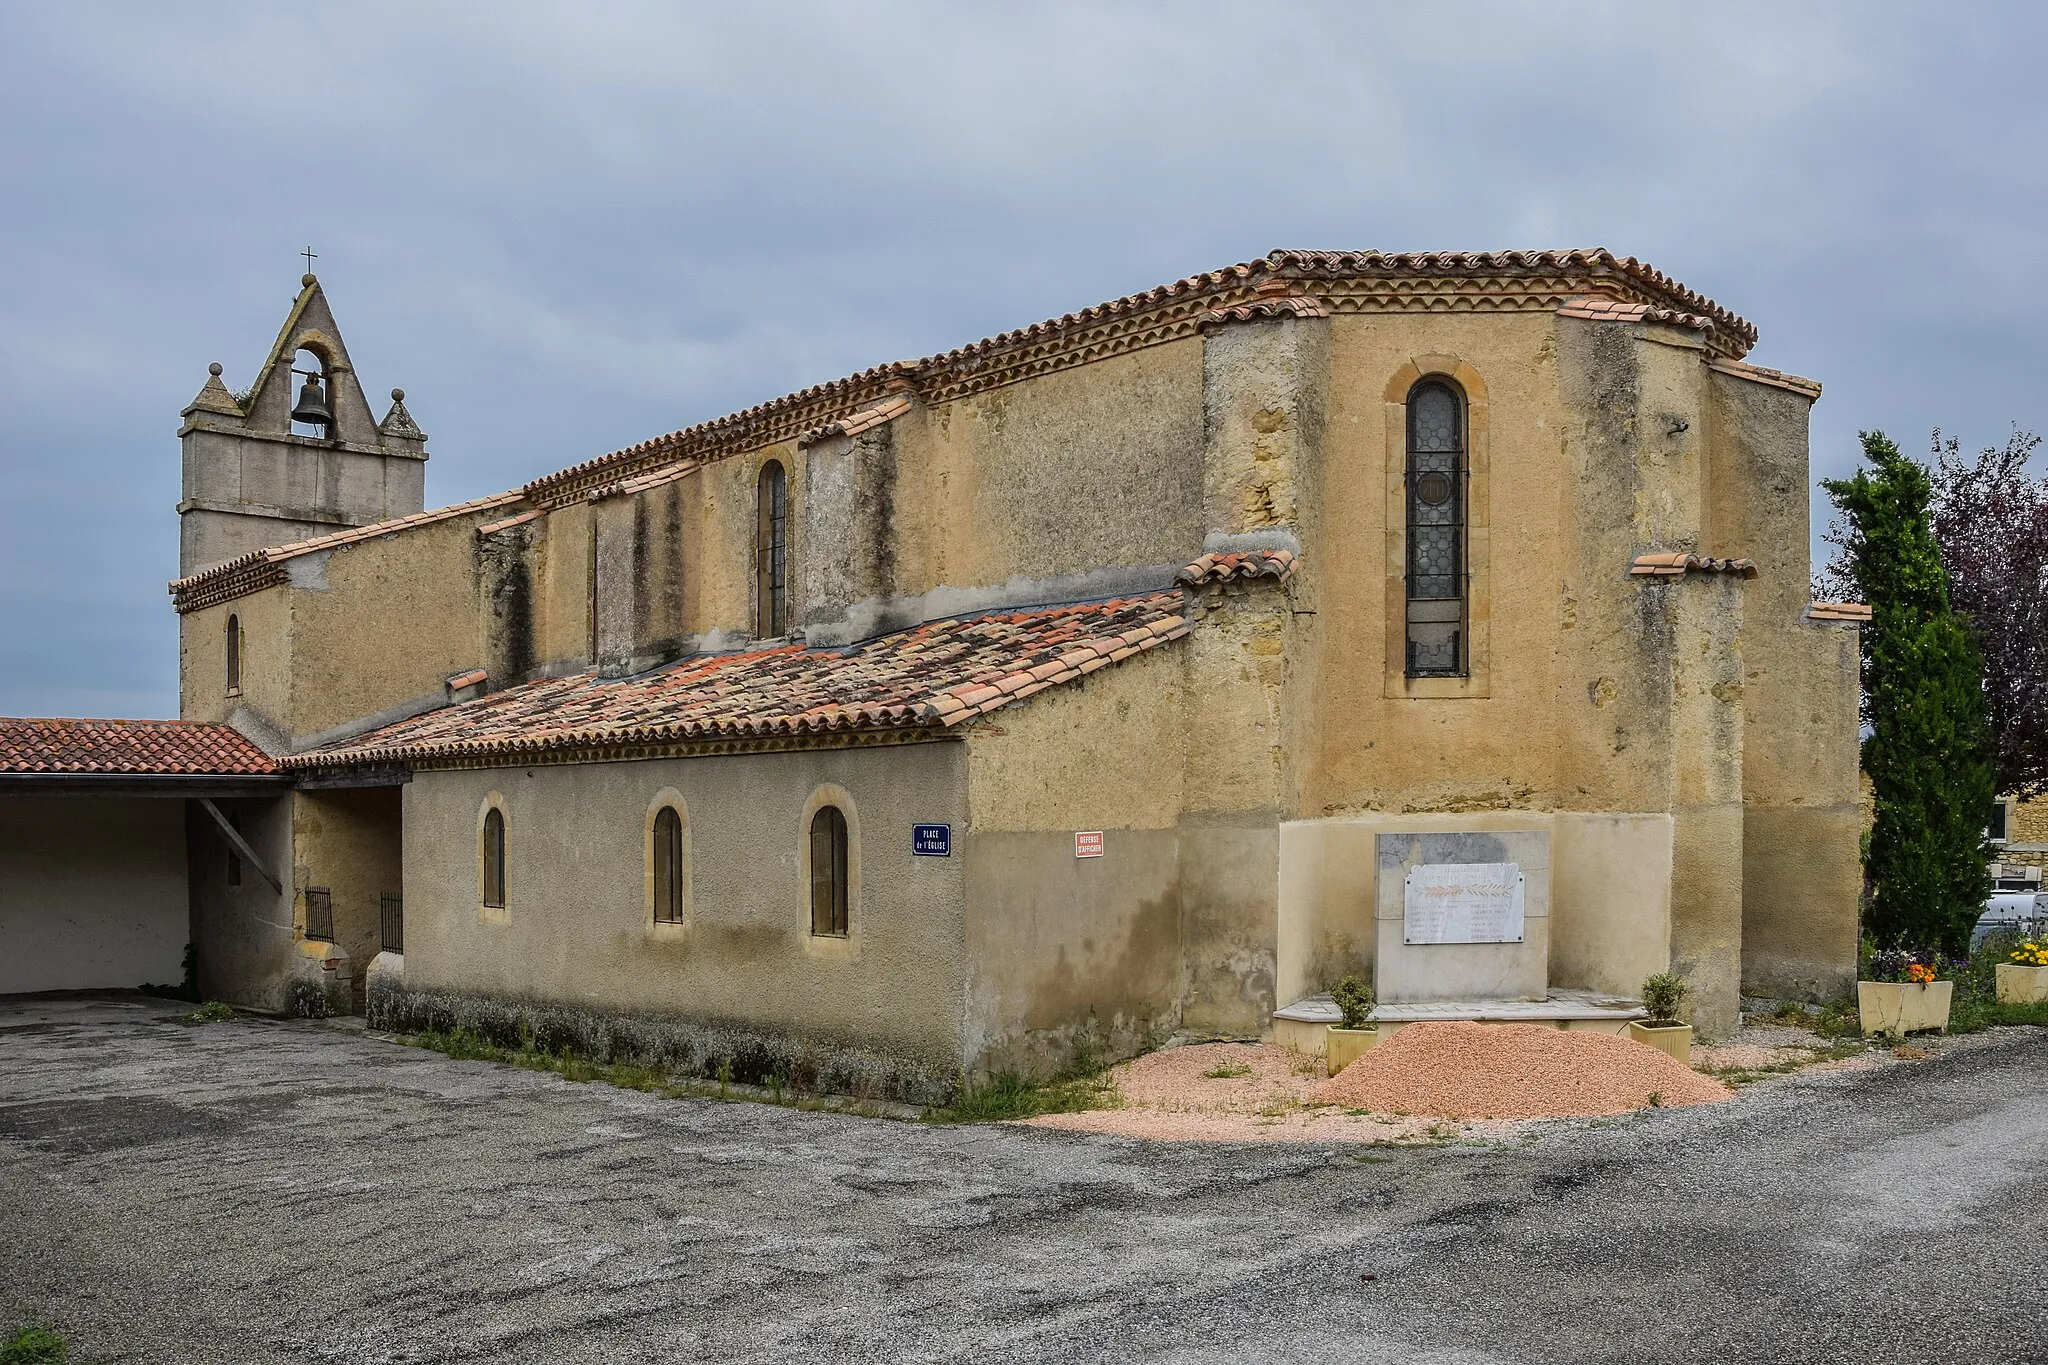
(214, 369)
(398, 395)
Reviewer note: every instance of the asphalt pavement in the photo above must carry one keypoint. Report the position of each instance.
(264, 1191)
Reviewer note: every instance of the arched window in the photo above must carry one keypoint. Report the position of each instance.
(1436, 531)
(494, 859)
(828, 872)
(668, 866)
(234, 655)
(771, 553)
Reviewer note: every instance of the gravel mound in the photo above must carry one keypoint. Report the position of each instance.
(1513, 1071)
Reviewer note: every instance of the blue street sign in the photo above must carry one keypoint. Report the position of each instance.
(931, 841)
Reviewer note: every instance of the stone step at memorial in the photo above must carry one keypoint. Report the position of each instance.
(1303, 1024)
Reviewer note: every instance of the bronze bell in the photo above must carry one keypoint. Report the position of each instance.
(312, 408)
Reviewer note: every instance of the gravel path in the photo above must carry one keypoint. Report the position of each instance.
(258, 1192)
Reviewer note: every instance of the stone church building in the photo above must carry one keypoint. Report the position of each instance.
(1090, 682)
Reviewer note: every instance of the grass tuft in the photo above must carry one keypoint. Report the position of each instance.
(34, 1346)
(1006, 1096)
(212, 1012)
(1227, 1071)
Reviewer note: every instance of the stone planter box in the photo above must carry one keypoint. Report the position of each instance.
(2018, 985)
(1673, 1040)
(1901, 1007)
(1347, 1045)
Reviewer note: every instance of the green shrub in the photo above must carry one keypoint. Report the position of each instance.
(34, 1346)
(1663, 994)
(1355, 999)
(1928, 754)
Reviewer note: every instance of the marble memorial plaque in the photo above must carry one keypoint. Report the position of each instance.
(1462, 903)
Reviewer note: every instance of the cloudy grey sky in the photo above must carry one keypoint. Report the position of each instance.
(564, 228)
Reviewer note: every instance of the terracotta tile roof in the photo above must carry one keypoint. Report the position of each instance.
(853, 424)
(1277, 565)
(1838, 611)
(1679, 563)
(1742, 369)
(1260, 309)
(258, 569)
(1601, 308)
(639, 485)
(929, 677)
(127, 746)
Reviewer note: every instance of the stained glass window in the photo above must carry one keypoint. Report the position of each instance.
(1436, 531)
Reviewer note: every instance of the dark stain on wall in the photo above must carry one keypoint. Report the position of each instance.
(1138, 983)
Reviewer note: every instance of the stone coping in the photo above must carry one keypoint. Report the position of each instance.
(1559, 1004)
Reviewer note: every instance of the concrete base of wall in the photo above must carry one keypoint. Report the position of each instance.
(702, 1049)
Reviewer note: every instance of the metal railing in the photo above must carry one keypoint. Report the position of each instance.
(391, 912)
(320, 914)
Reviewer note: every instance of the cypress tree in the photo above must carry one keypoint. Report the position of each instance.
(1928, 751)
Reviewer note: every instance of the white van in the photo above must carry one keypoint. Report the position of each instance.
(2021, 912)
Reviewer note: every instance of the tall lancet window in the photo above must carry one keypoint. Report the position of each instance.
(1436, 531)
(771, 553)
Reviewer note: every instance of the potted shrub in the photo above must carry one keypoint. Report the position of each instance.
(1902, 994)
(2024, 980)
(1354, 1037)
(1663, 994)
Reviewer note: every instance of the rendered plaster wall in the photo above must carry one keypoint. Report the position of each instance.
(1610, 894)
(348, 840)
(1236, 789)
(363, 633)
(92, 892)
(1705, 614)
(244, 935)
(1094, 467)
(1611, 890)
(1065, 952)
(1801, 868)
(1080, 472)
(379, 626)
(578, 929)
(559, 558)
(1494, 745)
(265, 622)
(640, 571)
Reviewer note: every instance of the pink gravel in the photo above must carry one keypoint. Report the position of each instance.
(1514, 1071)
(1169, 1096)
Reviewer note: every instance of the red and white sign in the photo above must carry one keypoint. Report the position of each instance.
(1088, 843)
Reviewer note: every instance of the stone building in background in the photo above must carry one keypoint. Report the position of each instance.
(1086, 683)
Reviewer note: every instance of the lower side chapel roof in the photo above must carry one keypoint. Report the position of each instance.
(143, 748)
(930, 677)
